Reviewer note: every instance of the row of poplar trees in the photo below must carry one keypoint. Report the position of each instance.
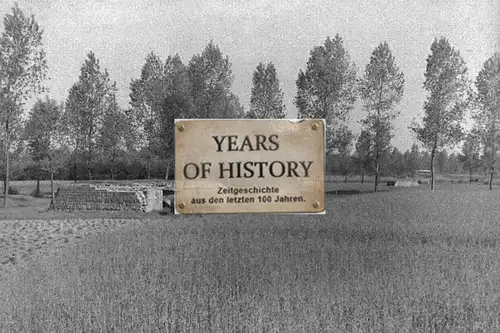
(91, 126)
(330, 87)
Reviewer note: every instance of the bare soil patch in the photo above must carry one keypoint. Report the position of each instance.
(23, 240)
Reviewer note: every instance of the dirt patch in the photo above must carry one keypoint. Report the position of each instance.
(22, 240)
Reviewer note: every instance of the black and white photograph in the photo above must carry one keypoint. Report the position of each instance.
(250, 166)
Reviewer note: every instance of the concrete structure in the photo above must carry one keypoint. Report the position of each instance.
(108, 197)
(406, 183)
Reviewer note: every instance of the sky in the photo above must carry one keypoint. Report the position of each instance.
(122, 32)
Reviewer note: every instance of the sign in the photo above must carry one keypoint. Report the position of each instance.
(249, 166)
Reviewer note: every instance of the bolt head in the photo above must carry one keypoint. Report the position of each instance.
(180, 127)
(316, 204)
(182, 205)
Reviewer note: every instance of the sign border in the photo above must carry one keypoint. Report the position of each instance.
(292, 120)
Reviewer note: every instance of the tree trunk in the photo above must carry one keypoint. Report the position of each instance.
(376, 170)
(493, 153)
(89, 165)
(6, 180)
(168, 170)
(470, 162)
(433, 154)
(51, 182)
(377, 136)
(112, 170)
(74, 170)
(38, 181)
(492, 170)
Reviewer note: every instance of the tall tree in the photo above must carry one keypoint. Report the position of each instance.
(88, 101)
(147, 97)
(344, 155)
(177, 104)
(448, 94)
(22, 70)
(364, 153)
(470, 156)
(327, 89)
(42, 133)
(211, 79)
(487, 116)
(112, 140)
(381, 89)
(267, 98)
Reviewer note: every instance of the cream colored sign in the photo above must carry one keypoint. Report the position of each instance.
(249, 166)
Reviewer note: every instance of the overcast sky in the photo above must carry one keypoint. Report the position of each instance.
(123, 32)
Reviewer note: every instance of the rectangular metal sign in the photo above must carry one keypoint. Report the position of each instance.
(249, 166)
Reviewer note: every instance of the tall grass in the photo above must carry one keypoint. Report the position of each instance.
(386, 262)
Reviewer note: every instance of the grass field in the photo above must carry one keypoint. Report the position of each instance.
(403, 260)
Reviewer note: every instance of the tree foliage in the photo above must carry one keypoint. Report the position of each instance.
(412, 160)
(42, 128)
(396, 163)
(22, 60)
(22, 71)
(86, 106)
(471, 155)
(344, 154)
(177, 104)
(211, 79)
(327, 89)
(381, 90)
(112, 141)
(157, 98)
(448, 95)
(266, 101)
(487, 117)
(146, 99)
(364, 153)
(42, 135)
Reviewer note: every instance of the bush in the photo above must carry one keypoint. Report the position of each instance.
(13, 190)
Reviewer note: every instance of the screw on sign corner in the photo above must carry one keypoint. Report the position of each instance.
(182, 205)
(180, 127)
(315, 126)
(315, 204)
